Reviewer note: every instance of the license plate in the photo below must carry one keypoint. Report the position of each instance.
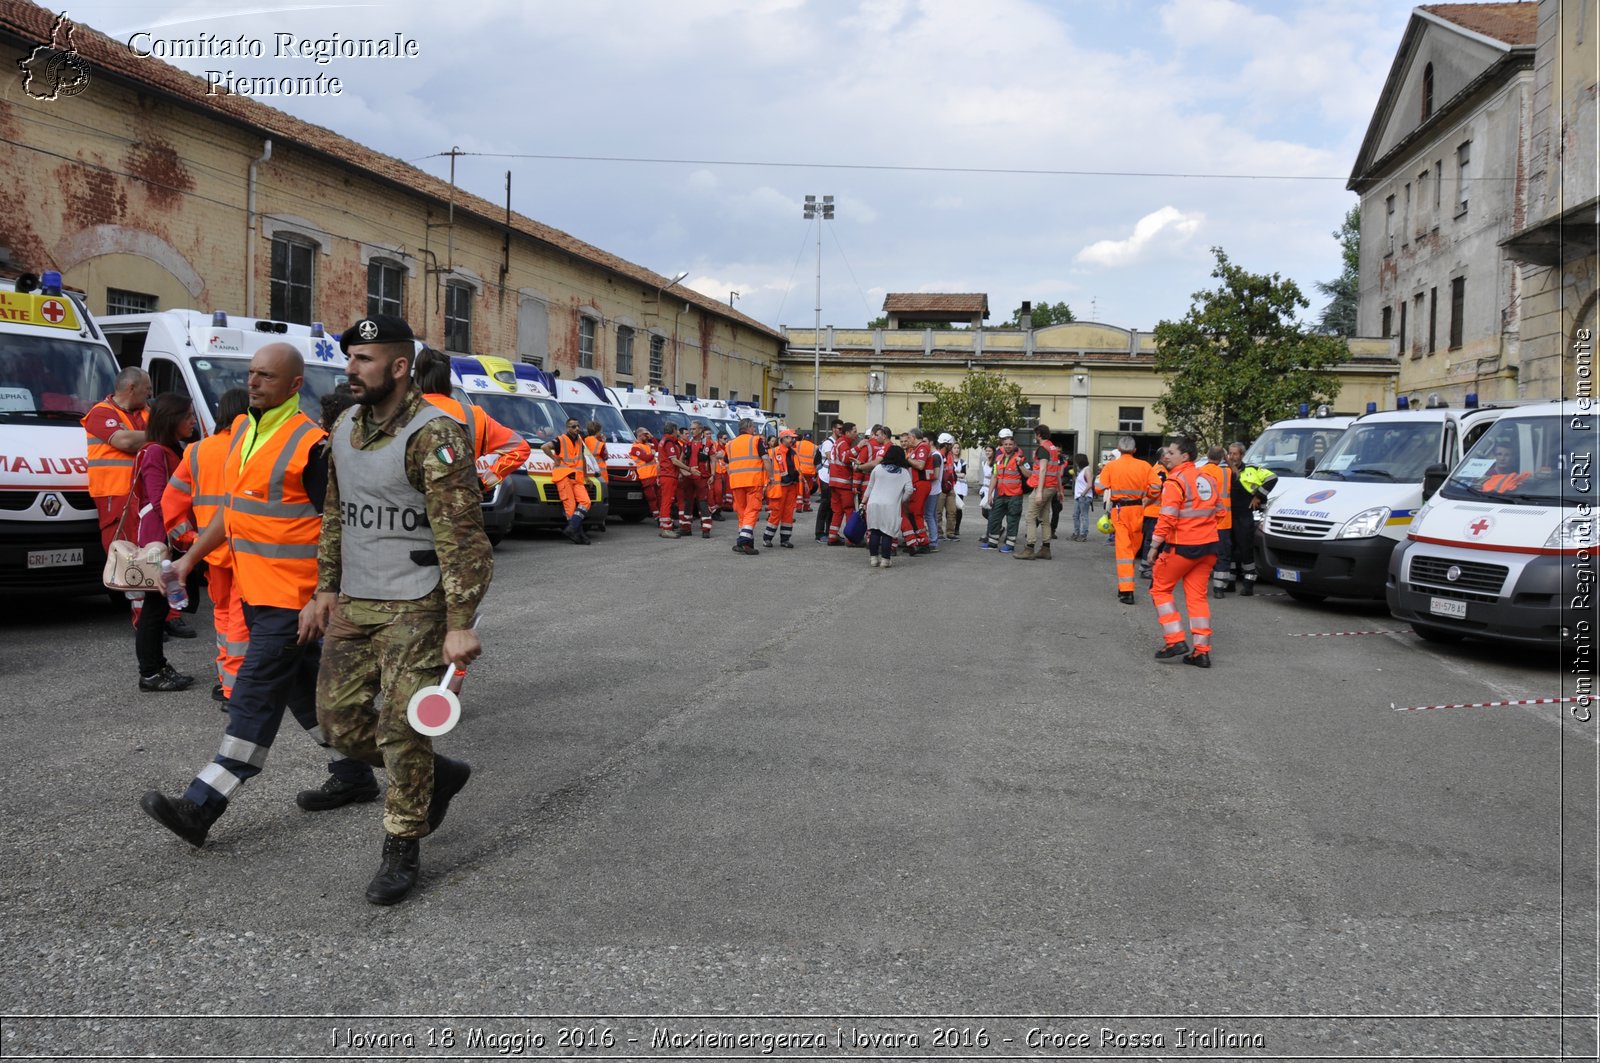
(1447, 607)
(634, 496)
(54, 558)
(1289, 575)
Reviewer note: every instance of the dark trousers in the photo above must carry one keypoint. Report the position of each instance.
(278, 673)
(824, 511)
(148, 633)
(880, 544)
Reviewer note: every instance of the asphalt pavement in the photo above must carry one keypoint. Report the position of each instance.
(791, 806)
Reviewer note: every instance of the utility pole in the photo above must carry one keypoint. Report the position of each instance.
(824, 212)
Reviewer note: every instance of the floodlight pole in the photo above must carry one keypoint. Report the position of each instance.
(818, 210)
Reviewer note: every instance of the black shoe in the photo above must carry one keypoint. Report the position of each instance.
(705, 534)
(186, 819)
(748, 548)
(165, 681)
(449, 776)
(1199, 660)
(572, 534)
(1248, 590)
(402, 859)
(717, 515)
(1177, 649)
(1125, 597)
(336, 793)
(1216, 592)
(217, 694)
(738, 548)
(176, 628)
(786, 544)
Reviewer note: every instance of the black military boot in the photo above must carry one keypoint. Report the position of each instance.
(336, 793)
(449, 776)
(184, 818)
(402, 859)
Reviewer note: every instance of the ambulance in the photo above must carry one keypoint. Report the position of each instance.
(651, 409)
(515, 394)
(585, 398)
(54, 365)
(1504, 548)
(202, 355)
(1331, 534)
(1290, 449)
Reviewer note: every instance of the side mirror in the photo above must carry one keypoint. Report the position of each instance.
(1433, 478)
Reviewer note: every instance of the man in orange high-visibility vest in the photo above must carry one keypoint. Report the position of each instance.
(570, 474)
(783, 490)
(749, 470)
(1184, 549)
(1123, 481)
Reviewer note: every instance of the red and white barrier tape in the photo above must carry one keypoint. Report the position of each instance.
(1326, 634)
(1484, 704)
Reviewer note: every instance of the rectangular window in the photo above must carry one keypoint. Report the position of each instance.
(1416, 351)
(1463, 163)
(292, 262)
(624, 350)
(1405, 217)
(1388, 225)
(658, 359)
(828, 406)
(922, 413)
(688, 389)
(1030, 415)
(585, 343)
(1438, 190)
(384, 280)
(1388, 322)
(716, 393)
(1422, 202)
(458, 318)
(1458, 309)
(1129, 418)
(121, 302)
(1433, 319)
(1402, 326)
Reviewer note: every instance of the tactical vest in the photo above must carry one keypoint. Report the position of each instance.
(385, 518)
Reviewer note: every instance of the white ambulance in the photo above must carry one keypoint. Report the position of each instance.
(1504, 549)
(54, 365)
(201, 355)
(1291, 448)
(650, 408)
(585, 398)
(1331, 534)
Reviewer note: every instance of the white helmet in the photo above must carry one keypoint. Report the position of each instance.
(946, 437)
(1005, 433)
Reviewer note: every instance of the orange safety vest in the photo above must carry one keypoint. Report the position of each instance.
(197, 489)
(1052, 468)
(110, 469)
(1222, 475)
(488, 437)
(569, 458)
(1158, 480)
(1188, 516)
(1502, 482)
(1124, 480)
(805, 457)
(744, 462)
(1007, 475)
(644, 456)
(597, 447)
(273, 526)
(781, 456)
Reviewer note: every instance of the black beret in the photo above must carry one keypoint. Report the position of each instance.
(382, 328)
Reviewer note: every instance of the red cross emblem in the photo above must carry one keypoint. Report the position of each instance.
(652, 402)
(52, 311)
(1479, 527)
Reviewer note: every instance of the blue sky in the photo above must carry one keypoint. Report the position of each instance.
(876, 102)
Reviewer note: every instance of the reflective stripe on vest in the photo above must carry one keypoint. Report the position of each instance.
(1052, 468)
(569, 456)
(273, 526)
(839, 464)
(744, 463)
(644, 459)
(805, 457)
(1007, 476)
(110, 469)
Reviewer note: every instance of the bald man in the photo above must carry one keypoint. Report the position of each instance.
(275, 480)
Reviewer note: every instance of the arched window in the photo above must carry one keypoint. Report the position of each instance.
(1427, 92)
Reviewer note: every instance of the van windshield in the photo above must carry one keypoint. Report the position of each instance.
(538, 420)
(1383, 452)
(654, 420)
(1529, 461)
(216, 375)
(613, 429)
(43, 378)
(1284, 450)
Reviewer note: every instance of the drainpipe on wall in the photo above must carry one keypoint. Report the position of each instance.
(250, 232)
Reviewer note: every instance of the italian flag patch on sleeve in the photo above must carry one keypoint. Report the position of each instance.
(446, 454)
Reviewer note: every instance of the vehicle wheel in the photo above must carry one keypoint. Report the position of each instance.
(634, 518)
(1307, 597)
(495, 538)
(596, 528)
(1436, 634)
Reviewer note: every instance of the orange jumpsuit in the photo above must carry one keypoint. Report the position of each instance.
(1187, 528)
(747, 477)
(1123, 481)
(190, 502)
(782, 493)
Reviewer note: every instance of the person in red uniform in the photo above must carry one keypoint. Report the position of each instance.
(694, 481)
(783, 490)
(749, 472)
(1184, 549)
(670, 470)
(841, 480)
(869, 455)
(189, 503)
(914, 529)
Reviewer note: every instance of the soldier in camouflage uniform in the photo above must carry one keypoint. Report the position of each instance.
(403, 565)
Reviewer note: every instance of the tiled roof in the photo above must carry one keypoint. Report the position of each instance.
(1513, 24)
(104, 56)
(936, 303)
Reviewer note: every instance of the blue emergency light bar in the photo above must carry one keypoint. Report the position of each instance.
(50, 282)
(1372, 407)
(1402, 403)
(1305, 409)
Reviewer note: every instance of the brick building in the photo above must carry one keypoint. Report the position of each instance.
(149, 193)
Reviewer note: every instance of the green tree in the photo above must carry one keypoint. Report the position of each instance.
(1344, 291)
(1241, 357)
(1043, 315)
(975, 411)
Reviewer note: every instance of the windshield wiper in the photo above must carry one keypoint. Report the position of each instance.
(1537, 500)
(1477, 492)
(1334, 474)
(1385, 473)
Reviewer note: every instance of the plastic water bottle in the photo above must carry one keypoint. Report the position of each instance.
(177, 595)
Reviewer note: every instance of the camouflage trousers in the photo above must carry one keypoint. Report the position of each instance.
(374, 648)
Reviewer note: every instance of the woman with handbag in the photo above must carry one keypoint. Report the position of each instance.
(888, 490)
(171, 421)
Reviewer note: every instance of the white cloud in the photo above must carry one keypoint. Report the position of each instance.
(1169, 225)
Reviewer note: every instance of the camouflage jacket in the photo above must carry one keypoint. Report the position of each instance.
(454, 503)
